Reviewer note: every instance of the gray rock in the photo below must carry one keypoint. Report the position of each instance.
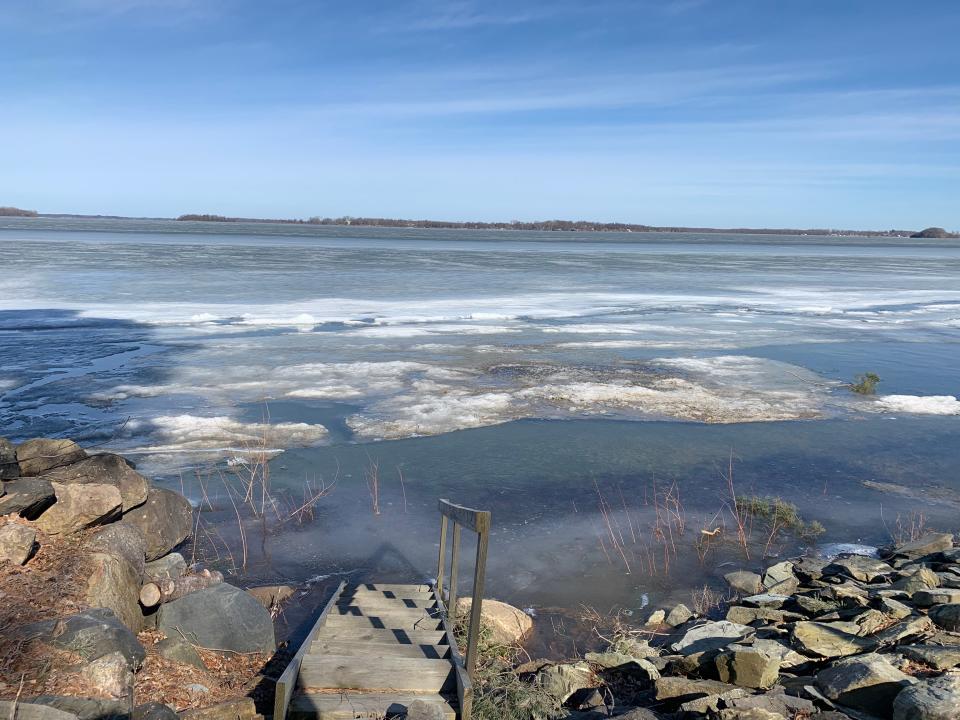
(778, 573)
(748, 615)
(17, 543)
(271, 596)
(867, 682)
(422, 710)
(747, 668)
(39, 455)
(921, 579)
(114, 583)
(124, 540)
(27, 496)
(79, 507)
(562, 681)
(814, 606)
(894, 608)
(784, 654)
(638, 714)
(86, 708)
(110, 675)
(942, 596)
(744, 582)
(169, 567)
(773, 601)
(936, 699)
(710, 636)
(709, 704)
(927, 545)
(32, 711)
(179, 650)
(830, 640)
(9, 469)
(657, 617)
(105, 469)
(154, 711)
(946, 616)
(749, 714)
(776, 701)
(907, 631)
(91, 634)
(679, 615)
(625, 663)
(683, 688)
(859, 567)
(936, 656)
(221, 617)
(165, 519)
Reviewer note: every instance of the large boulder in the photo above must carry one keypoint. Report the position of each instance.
(79, 507)
(117, 575)
(9, 469)
(165, 519)
(32, 711)
(92, 633)
(936, 699)
(37, 456)
(947, 616)
(27, 496)
(867, 682)
(105, 469)
(508, 625)
(17, 543)
(221, 617)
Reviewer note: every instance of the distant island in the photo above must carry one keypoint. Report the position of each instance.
(540, 225)
(16, 212)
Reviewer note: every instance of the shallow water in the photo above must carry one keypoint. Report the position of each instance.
(531, 373)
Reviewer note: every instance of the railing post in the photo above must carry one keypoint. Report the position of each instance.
(454, 562)
(443, 553)
(475, 606)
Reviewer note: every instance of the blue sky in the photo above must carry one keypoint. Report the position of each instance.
(814, 113)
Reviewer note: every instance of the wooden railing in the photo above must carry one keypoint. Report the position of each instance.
(479, 522)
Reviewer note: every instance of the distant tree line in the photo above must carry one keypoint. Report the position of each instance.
(16, 212)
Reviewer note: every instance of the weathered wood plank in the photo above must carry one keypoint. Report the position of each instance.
(390, 587)
(393, 622)
(386, 603)
(288, 680)
(369, 649)
(476, 520)
(397, 611)
(400, 637)
(349, 706)
(318, 672)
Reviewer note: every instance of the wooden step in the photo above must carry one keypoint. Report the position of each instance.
(388, 587)
(399, 611)
(350, 706)
(369, 649)
(417, 622)
(395, 603)
(377, 635)
(320, 672)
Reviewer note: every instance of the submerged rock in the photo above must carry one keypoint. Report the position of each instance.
(744, 582)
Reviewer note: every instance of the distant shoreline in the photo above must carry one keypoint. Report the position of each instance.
(542, 226)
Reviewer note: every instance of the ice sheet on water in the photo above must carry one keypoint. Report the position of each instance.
(172, 433)
(920, 405)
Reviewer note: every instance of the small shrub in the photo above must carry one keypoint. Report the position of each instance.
(865, 384)
(779, 514)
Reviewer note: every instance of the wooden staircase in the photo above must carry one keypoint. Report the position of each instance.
(377, 648)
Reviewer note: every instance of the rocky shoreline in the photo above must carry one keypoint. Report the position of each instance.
(99, 615)
(867, 638)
